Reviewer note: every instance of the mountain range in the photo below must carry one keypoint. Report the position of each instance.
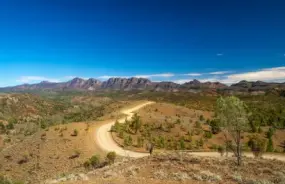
(128, 84)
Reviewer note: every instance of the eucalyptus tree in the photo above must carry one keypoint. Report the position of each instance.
(233, 116)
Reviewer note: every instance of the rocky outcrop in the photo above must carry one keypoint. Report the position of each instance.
(165, 86)
(78, 83)
(74, 84)
(128, 84)
(255, 86)
(195, 84)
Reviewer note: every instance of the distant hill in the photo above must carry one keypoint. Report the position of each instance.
(129, 84)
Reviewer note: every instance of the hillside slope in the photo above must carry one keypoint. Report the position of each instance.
(172, 168)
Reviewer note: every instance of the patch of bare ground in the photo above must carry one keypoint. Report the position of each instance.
(55, 151)
(48, 153)
(172, 168)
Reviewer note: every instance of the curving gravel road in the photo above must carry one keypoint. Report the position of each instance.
(104, 138)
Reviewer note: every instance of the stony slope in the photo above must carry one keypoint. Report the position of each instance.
(172, 168)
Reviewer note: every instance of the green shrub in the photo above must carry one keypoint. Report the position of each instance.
(2, 128)
(43, 125)
(214, 147)
(121, 133)
(208, 134)
(136, 122)
(10, 125)
(270, 133)
(140, 141)
(4, 180)
(208, 121)
(178, 121)
(161, 142)
(87, 164)
(116, 127)
(270, 147)
(200, 143)
(94, 161)
(257, 144)
(111, 156)
(259, 130)
(198, 125)
(201, 118)
(221, 150)
(128, 141)
(215, 127)
(181, 144)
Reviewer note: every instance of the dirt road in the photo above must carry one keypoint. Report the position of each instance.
(104, 138)
(105, 141)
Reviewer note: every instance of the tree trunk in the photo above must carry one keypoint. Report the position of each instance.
(226, 144)
(239, 156)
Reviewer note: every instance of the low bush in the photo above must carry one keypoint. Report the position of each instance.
(208, 134)
(140, 142)
(198, 125)
(270, 147)
(4, 180)
(10, 126)
(93, 162)
(221, 150)
(182, 144)
(111, 157)
(257, 144)
(128, 141)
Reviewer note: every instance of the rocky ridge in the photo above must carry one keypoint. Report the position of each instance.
(133, 83)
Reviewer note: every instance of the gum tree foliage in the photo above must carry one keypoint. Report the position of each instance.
(270, 133)
(136, 123)
(233, 116)
(257, 144)
(215, 126)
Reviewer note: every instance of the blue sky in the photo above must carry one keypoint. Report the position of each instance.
(168, 40)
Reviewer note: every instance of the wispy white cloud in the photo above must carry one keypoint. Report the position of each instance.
(155, 75)
(222, 80)
(192, 74)
(220, 54)
(29, 79)
(276, 74)
(181, 81)
(267, 74)
(69, 77)
(112, 76)
(164, 75)
(220, 72)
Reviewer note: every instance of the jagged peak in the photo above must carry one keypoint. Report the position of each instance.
(44, 82)
(92, 79)
(77, 79)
